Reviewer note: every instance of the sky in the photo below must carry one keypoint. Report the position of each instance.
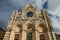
(8, 6)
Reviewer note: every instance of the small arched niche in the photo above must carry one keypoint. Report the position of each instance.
(42, 27)
(17, 27)
(20, 26)
(30, 26)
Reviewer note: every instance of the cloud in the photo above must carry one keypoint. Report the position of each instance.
(54, 12)
(53, 4)
(22, 3)
(56, 24)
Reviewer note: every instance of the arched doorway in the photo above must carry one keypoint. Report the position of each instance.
(18, 34)
(42, 31)
(30, 32)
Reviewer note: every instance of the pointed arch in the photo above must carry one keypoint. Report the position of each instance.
(30, 25)
(43, 26)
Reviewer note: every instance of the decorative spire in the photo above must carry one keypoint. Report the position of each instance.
(30, 5)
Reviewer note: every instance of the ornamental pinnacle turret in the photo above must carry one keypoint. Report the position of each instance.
(30, 25)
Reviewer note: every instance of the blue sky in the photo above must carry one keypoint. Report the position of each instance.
(8, 6)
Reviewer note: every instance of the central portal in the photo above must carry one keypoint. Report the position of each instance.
(29, 36)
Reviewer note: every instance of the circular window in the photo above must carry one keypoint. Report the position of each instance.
(30, 14)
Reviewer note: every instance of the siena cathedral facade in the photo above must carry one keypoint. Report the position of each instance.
(29, 24)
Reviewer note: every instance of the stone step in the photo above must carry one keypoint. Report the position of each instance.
(5, 38)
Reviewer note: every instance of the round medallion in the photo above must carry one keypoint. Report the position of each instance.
(29, 14)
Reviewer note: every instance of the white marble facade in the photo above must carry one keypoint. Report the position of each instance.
(36, 24)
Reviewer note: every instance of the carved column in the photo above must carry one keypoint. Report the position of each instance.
(12, 35)
(23, 35)
(7, 34)
(37, 35)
